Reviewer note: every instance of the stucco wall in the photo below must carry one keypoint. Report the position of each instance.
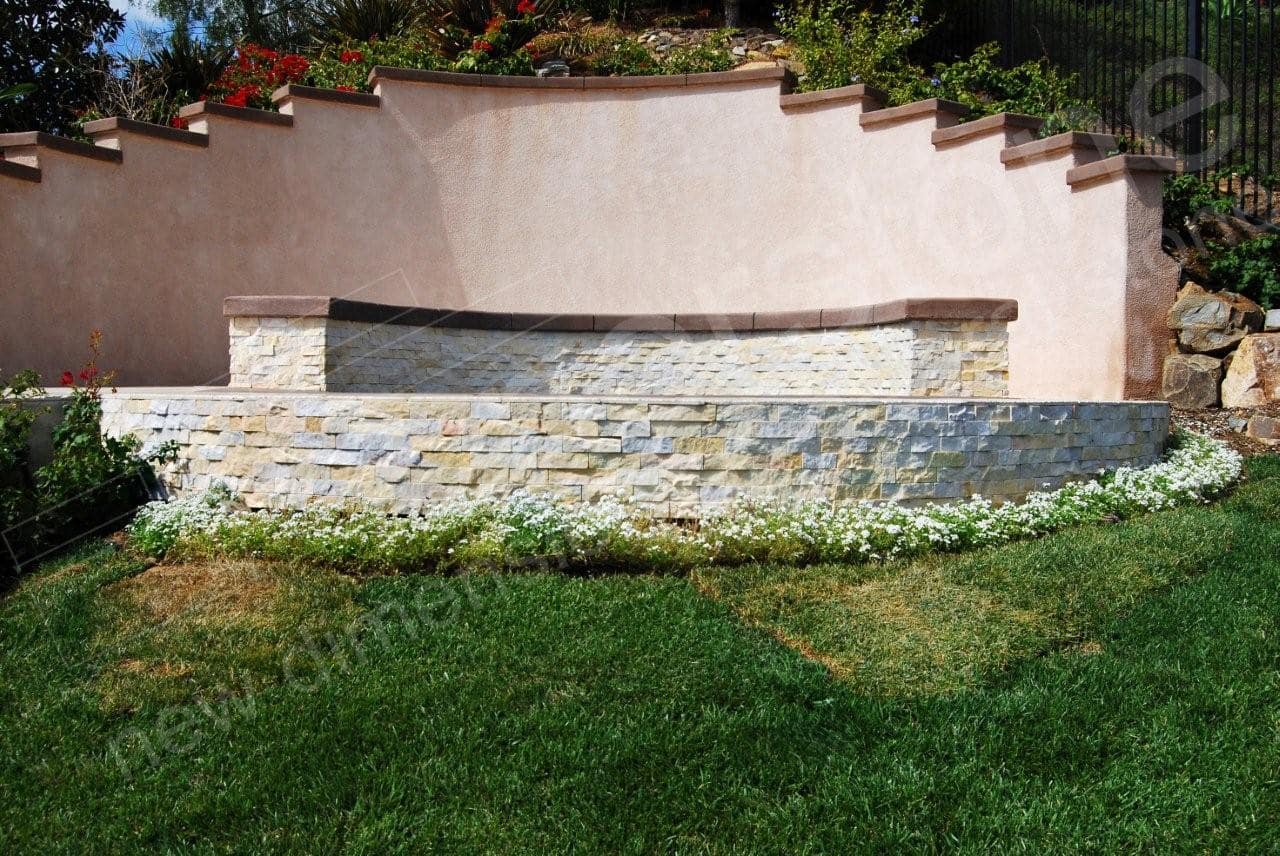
(673, 456)
(713, 197)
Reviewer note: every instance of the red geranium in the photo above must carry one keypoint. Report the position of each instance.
(342, 87)
(68, 379)
(526, 7)
(351, 56)
(482, 45)
(257, 71)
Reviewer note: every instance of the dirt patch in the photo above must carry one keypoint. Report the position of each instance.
(224, 592)
(1088, 648)
(1228, 425)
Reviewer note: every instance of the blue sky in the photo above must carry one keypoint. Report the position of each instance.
(137, 18)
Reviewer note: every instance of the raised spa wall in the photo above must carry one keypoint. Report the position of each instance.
(754, 405)
(953, 348)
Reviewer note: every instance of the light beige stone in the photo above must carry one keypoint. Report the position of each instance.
(1254, 376)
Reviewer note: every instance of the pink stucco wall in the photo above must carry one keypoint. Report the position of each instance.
(698, 198)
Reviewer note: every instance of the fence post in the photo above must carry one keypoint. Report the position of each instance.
(1008, 34)
(1195, 50)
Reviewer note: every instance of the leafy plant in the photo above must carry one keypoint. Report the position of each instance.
(986, 88)
(347, 66)
(58, 46)
(255, 74)
(624, 58)
(342, 21)
(1187, 194)
(839, 42)
(1251, 268)
(711, 54)
(465, 27)
(92, 480)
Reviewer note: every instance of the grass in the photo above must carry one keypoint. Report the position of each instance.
(1104, 689)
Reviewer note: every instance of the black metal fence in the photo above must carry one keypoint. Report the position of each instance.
(1196, 78)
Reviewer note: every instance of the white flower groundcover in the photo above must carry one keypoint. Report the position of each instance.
(527, 529)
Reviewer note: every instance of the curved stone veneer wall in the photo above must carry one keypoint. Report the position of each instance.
(687, 194)
(912, 347)
(674, 456)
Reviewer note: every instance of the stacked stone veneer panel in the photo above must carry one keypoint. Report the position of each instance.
(673, 456)
(963, 357)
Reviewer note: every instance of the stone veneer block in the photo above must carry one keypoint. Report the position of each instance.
(672, 456)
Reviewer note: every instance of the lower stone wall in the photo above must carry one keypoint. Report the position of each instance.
(923, 358)
(673, 456)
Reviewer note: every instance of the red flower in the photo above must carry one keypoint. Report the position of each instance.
(526, 7)
(342, 87)
(495, 24)
(351, 56)
(68, 379)
(481, 45)
(178, 122)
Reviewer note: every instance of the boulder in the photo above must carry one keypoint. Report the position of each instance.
(1191, 380)
(1254, 376)
(1266, 429)
(1212, 322)
(1273, 321)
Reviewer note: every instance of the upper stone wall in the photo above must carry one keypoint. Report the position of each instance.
(705, 193)
(911, 348)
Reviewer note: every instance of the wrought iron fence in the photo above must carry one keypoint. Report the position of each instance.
(1196, 78)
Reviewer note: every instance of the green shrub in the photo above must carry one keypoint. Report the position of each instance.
(1251, 268)
(709, 55)
(346, 66)
(986, 88)
(1187, 194)
(625, 58)
(840, 42)
(91, 482)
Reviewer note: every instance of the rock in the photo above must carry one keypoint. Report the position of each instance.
(1266, 429)
(1237, 423)
(1191, 381)
(1222, 228)
(739, 50)
(1212, 322)
(1254, 377)
(1273, 320)
(554, 68)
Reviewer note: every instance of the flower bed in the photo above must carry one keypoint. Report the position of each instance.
(531, 531)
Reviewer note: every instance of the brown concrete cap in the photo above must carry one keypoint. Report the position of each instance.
(1118, 166)
(60, 144)
(333, 96)
(453, 78)
(937, 107)
(1056, 145)
(244, 114)
(147, 129)
(871, 98)
(934, 309)
(985, 127)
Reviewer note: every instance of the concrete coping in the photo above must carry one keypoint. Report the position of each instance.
(939, 108)
(1119, 166)
(333, 96)
(892, 312)
(985, 127)
(20, 171)
(870, 97)
(119, 124)
(244, 114)
(59, 144)
(1071, 141)
(453, 78)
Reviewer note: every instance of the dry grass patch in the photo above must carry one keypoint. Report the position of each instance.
(906, 633)
(176, 633)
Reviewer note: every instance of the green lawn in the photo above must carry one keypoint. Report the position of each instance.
(1106, 689)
